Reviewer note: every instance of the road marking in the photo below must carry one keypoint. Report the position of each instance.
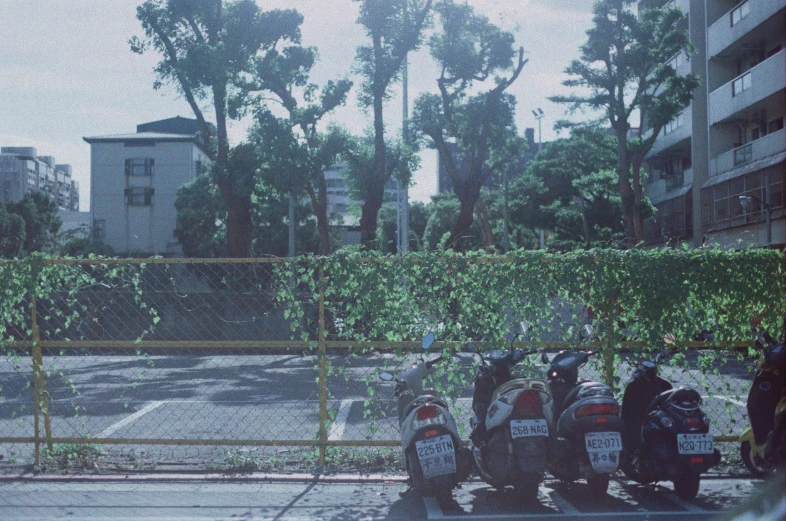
(687, 505)
(122, 423)
(433, 510)
(337, 428)
(563, 504)
(725, 399)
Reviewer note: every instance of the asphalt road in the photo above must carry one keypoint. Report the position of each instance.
(247, 397)
(167, 499)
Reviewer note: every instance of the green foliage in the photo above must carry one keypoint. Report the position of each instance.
(570, 183)
(200, 216)
(12, 234)
(41, 223)
(74, 456)
(86, 247)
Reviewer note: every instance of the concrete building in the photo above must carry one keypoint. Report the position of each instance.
(23, 171)
(717, 171)
(134, 182)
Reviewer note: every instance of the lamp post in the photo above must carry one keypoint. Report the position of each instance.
(538, 113)
(746, 201)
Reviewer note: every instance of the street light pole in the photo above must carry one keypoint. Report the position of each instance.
(538, 113)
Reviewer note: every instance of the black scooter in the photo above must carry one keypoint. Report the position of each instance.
(587, 439)
(666, 433)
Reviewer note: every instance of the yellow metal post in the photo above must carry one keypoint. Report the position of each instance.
(608, 356)
(40, 397)
(323, 413)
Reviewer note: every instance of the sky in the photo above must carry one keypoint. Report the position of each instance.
(66, 72)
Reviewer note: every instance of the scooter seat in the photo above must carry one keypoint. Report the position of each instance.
(682, 398)
(422, 400)
(585, 389)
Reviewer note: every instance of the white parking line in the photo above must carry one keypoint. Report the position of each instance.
(563, 504)
(687, 505)
(337, 428)
(122, 423)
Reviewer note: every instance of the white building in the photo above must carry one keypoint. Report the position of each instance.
(134, 182)
(710, 167)
(23, 171)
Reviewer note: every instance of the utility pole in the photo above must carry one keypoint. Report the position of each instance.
(404, 222)
(538, 113)
(291, 249)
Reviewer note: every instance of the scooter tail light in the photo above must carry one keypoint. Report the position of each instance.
(528, 404)
(692, 424)
(431, 433)
(697, 460)
(427, 412)
(597, 409)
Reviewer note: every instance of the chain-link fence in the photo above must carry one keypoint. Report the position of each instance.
(241, 362)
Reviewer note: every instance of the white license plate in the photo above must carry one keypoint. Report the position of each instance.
(526, 428)
(603, 441)
(604, 461)
(694, 444)
(437, 456)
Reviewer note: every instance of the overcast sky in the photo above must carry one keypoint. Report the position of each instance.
(66, 71)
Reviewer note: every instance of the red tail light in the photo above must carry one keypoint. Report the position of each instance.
(598, 409)
(697, 460)
(426, 412)
(431, 434)
(528, 404)
(692, 424)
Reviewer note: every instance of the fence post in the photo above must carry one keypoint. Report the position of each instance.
(40, 397)
(323, 413)
(608, 356)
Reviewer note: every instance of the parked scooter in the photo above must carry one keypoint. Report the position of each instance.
(511, 421)
(587, 440)
(434, 457)
(666, 434)
(762, 445)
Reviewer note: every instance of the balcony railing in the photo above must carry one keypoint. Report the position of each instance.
(739, 21)
(760, 82)
(764, 147)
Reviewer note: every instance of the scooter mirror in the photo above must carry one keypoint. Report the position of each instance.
(544, 358)
(387, 377)
(427, 341)
(587, 331)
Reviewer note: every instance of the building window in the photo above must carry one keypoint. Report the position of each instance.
(678, 60)
(139, 196)
(775, 125)
(673, 220)
(674, 124)
(99, 229)
(741, 84)
(720, 204)
(139, 167)
(743, 154)
(740, 12)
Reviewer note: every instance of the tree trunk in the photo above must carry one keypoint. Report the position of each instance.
(239, 222)
(460, 232)
(626, 191)
(485, 225)
(319, 206)
(368, 219)
(637, 217)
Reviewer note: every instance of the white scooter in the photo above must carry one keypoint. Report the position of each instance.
(434, 457)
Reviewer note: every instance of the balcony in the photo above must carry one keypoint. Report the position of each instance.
(661, 189)
(738, 22)
(749, 153)
(754, 85)
(675, 132)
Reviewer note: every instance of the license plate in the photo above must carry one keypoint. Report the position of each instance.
(694, 444)
(603, 441)
(604, 461)
(526, 428)
(437, 456)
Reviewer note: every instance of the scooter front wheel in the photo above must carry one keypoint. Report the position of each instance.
(753, 462)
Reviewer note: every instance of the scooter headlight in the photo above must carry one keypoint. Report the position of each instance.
(666, 421)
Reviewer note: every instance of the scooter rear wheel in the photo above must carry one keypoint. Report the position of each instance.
(754, 463)
(527, 487)
(687, 485)
(598, 484)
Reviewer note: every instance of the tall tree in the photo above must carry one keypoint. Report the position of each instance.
(207, 49)
(570, 189)
(475, 134)
(12, 234)
(623, 65)
(395, 28)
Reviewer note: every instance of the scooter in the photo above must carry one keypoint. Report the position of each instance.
(587, 439)
(510, 427)
(433, 454)
(762, 444)
(667, 435)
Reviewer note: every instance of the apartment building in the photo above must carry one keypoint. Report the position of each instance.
(134, 180)
(717, 171)
(23, 171)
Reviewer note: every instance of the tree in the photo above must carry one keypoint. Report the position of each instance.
(84, 247)
(475, 134)
(569, 188)
(12, 234)
(395, 28)
(41, 222)
(443, 212)
(208, 49)
(201, 216)
(623, 64)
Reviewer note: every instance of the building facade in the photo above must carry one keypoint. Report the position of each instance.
(717, 171)
(134, 182)
(23, 171)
